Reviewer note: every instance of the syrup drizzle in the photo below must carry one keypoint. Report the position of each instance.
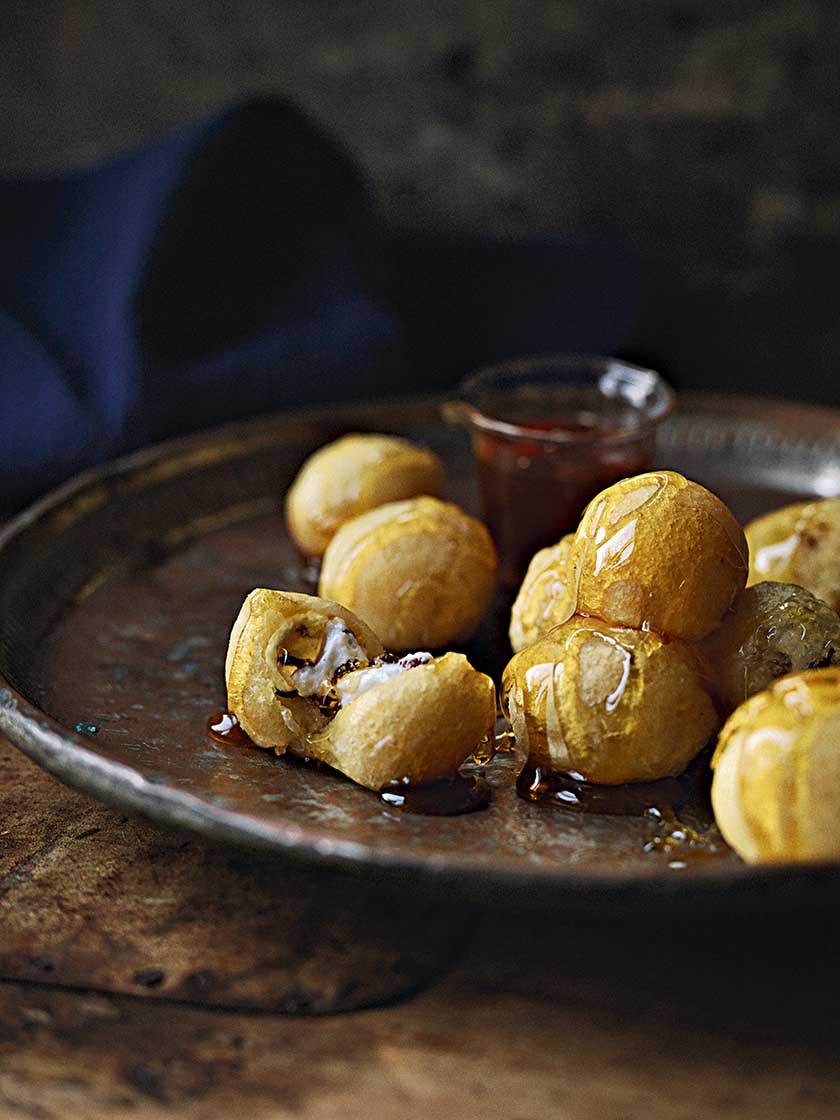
(572, 791)
(657, 803)
(226, 728)
(451, 797)
(676, 839)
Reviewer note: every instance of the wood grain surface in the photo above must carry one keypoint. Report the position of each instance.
(91, 898)
(515, 1017)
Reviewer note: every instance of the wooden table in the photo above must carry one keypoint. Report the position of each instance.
(148, 975)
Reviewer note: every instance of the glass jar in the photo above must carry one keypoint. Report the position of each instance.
(548, 433)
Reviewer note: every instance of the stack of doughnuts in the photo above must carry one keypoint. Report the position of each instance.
(618, 690)
(635, 635)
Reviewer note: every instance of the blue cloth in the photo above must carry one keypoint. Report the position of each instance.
(238, 267)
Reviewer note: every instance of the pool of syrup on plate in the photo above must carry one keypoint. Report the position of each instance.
(462, 793)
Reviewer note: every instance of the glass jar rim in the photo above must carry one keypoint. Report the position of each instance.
(605, 374)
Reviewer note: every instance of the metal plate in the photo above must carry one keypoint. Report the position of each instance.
(116, 598)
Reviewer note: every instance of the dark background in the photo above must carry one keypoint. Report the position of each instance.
(699, 135)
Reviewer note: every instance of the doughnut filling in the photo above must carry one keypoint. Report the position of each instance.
(341, 673)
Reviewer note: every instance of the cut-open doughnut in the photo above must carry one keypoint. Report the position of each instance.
(306, 675)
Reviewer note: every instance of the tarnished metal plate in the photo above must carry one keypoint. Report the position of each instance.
(116, 598)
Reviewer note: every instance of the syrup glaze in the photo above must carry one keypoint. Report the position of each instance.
(681, 843)
(655, 802)
(622, 573)
(577, 700)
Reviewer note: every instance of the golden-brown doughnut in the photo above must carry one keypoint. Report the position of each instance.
(776, 785)
(420, 572)
(419, 726)
(800, 544)
(355, 473)
(542, 599)
(305, 675)
(657, 551)
(609, 703)
(771, 629)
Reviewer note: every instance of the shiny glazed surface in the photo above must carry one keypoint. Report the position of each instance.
(612, 704)
(657, 552)
(799, 544)
(776, 787)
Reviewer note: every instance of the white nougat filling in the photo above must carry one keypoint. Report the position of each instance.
(354, 684)
(339, 647)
